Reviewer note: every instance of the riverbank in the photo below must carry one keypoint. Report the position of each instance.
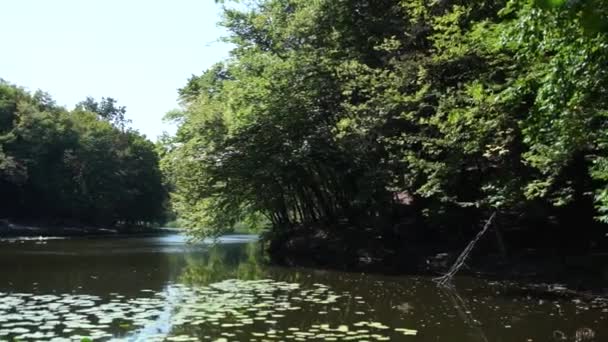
(12, 229)
(361, 250)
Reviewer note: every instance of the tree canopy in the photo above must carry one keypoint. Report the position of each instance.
(83, 165)
(332, 111)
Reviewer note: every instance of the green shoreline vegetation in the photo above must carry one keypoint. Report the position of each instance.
(395, 125)
(397, 119)
(360, 135)
(81, 167)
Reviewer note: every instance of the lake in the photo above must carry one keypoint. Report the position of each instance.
(164, 289)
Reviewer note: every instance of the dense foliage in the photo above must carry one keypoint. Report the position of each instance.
(82, 166)
(350, 110)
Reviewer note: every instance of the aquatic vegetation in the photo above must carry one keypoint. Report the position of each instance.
(222, 311)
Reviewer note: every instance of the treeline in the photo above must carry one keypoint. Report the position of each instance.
(358, 111)
(82, 166)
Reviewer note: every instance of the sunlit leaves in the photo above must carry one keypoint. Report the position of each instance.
(550, 3)
(328, 107)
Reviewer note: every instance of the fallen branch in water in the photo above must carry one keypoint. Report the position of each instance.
(446, 279)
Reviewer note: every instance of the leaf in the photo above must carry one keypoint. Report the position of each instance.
(550, 3)
(407, 332)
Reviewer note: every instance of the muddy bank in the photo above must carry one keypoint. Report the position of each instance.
(10, 229)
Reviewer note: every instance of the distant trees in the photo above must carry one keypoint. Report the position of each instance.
(107, 109)
(337, 110)
(84, 165)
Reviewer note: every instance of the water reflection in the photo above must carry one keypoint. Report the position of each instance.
(242, 261)
(163, 289)
(460, 305)
(479, 311)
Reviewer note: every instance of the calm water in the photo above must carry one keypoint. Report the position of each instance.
(162, 289)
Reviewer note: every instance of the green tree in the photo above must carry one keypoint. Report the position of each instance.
(343, 111)
(107, 109)
(83, 166)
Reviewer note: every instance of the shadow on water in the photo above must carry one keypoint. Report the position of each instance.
(473, 311)
(151, 288)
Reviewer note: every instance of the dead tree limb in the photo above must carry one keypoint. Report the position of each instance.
(446, 279)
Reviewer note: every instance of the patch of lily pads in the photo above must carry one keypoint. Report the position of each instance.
(231, 310)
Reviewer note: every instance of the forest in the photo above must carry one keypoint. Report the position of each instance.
(399, 122)
(84, 166)
(335, 170)
(400, 119)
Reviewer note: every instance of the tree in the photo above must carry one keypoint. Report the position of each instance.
(84, 165)
(107, 109)
(337, 111)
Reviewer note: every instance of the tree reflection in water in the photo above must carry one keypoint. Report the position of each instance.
(245, 262)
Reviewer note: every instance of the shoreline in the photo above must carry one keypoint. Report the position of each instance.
(568, 271)
(568, 275)
(571, 287)
(13, 229)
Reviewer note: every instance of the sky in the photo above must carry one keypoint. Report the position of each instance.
(136, 51)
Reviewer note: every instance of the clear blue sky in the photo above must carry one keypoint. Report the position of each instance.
(137, 51)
